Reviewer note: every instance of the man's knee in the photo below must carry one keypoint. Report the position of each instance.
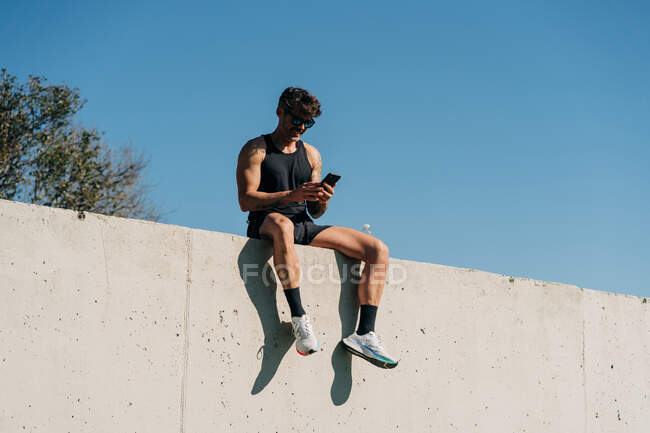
(280, 227)
(377, 252)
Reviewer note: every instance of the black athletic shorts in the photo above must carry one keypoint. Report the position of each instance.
(304, 229)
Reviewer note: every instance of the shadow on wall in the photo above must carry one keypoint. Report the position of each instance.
(348, 310)
(261, 287)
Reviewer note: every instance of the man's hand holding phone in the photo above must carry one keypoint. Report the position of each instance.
(326, 193)
(315, 191)
(328, 187)
(309, 191)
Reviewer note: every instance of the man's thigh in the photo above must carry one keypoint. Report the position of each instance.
(350, 242)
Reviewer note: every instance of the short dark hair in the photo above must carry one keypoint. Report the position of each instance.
(301, 100)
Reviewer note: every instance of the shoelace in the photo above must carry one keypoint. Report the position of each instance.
(305, 330)
(379, 345)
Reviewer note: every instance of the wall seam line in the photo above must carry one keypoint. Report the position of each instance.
(186, 331)
(584, 364)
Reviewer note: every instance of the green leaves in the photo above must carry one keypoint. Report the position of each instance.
(46, 159)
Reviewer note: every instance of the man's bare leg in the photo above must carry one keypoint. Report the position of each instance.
(374, 253)
(279, 229)
(361, 246)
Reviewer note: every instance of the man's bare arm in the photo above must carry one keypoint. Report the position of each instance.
(316, 208)
(249, 175)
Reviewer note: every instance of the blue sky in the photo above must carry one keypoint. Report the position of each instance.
(511, 137)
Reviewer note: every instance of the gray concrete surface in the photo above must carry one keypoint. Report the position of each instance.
(117, 325)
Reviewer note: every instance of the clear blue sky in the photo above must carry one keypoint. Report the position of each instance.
(511, 137)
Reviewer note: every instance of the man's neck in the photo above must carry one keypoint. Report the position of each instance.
(282, 142)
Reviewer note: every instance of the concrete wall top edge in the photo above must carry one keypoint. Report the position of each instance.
(7, 203)
(641, 299)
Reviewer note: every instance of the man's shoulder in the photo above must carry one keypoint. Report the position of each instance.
(254, 147)
(313, 155)
(257, 142)
(311, 150)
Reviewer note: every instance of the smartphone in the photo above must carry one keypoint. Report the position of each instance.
(331, 179)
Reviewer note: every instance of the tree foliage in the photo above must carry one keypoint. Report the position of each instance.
(46, 158)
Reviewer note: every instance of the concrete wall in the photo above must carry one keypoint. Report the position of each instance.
(116, 325)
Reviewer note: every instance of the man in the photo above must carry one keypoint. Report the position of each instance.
(278, 180)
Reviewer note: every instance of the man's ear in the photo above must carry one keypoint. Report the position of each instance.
(278, 111)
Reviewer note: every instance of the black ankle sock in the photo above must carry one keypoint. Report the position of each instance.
(367, 319)
(293, 297)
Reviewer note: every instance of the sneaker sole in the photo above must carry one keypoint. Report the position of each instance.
(373, 361)
(307, 354)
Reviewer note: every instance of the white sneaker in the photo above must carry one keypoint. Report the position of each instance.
(306, 342)
(368, 347)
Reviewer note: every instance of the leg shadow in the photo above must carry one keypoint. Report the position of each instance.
(261, 287)
(348, 310)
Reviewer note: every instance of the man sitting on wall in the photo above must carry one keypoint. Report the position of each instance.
(278, 180)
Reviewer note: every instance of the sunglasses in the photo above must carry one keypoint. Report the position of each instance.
(297, 121)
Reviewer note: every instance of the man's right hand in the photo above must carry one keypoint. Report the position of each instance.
(307, 191)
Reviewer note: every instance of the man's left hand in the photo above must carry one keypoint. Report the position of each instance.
(326, 194)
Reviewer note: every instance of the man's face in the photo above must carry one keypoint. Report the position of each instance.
(288, 120)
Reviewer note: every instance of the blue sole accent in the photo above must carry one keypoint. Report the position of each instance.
(390, 361)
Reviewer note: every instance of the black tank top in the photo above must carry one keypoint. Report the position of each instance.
(282, 172)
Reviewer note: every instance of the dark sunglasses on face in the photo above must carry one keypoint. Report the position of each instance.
(297, 121)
